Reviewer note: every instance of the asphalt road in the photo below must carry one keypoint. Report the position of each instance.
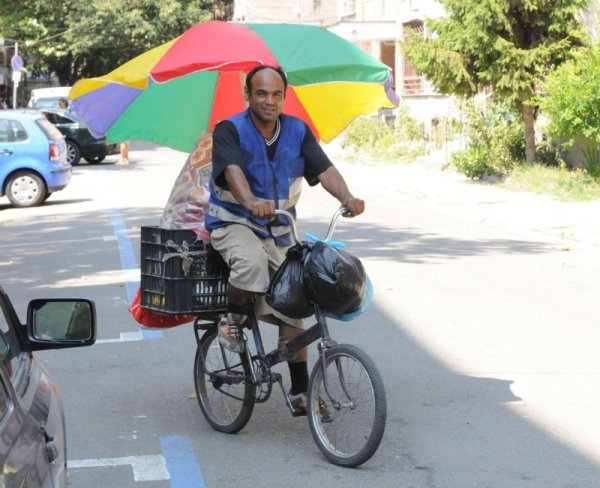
(484, 327)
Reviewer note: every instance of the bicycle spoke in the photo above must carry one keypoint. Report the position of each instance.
(352, 428)
(225, 394)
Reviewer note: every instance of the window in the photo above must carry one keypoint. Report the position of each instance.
(18, 130)
(412, 81)
(349, 7)
(51, 116)
(58, 118)
(63, 120)
(12, 131)
(4, 130)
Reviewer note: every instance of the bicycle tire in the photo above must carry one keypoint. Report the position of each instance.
(225, 395)
(347, 436)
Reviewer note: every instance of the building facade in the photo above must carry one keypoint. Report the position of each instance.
(375, 26)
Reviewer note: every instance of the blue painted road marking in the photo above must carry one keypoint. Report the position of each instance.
(129, 262)
(183, 468)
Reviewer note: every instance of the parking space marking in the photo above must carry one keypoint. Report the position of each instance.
(145, 468)
(181, 462)
(129, 264)
(63, 241)
(124, 337)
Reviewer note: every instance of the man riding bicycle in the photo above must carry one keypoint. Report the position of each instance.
(260, 157)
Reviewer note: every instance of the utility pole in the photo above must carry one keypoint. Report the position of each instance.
(16, 74)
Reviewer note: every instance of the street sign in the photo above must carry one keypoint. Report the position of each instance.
(16, 76)
(16, 63)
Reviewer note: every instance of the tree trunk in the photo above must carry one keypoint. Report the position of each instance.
(528, 120)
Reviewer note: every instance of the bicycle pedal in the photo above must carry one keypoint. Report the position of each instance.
(298, 407)
(299, 412)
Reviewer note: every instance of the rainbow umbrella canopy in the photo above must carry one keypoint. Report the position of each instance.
(175, 92)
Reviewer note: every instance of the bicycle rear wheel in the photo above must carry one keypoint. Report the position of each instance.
(225, 394)
(349, 433)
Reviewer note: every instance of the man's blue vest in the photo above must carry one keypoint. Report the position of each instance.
(279, 180)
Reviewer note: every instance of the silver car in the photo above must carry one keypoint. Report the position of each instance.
(32, 424)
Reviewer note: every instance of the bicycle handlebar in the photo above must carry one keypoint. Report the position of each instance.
(292, 221)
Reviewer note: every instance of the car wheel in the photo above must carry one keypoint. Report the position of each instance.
(25, 189)
(95, 159)
(73, 153)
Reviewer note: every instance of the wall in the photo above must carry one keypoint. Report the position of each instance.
(319, 12)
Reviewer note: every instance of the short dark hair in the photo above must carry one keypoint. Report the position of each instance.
(279, 70)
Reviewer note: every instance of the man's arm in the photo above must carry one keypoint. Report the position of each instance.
(227, 165)
(238, 184)
(334, 183)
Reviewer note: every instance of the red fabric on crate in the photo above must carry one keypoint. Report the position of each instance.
(155, 320)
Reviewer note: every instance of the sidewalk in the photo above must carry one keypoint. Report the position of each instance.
(574, 222)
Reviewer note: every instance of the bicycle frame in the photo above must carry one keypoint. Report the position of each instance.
(282, 353)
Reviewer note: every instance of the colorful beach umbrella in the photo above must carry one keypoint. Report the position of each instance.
(177, 91)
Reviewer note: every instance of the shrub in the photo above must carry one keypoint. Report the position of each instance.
(472, 162)
(570, 103)
(371, 135)
(494, 140)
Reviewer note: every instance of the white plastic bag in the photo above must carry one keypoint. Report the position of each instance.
(188, 203)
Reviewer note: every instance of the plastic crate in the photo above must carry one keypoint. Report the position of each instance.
(180, 273)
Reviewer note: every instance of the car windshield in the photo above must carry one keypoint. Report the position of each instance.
(47, 102)
(51, 132)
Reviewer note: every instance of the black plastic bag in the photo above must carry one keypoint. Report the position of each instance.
(335, 279)
(287, 292)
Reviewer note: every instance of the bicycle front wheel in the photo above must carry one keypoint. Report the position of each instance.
(349, 425)
(223, 387)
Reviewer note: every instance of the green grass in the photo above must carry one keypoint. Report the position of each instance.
(561, 183)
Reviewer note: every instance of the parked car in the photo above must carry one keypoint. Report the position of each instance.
(80, 142)
(33, 448)
(33, 158)
(48, 97)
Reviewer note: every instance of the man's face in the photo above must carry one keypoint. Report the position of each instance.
(267, 97)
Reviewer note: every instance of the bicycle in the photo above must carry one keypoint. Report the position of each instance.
(346, 396)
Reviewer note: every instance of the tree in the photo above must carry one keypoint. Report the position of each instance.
(570, 103)
(83, 38)
(506, 46)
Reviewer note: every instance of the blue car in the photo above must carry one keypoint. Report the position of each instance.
(33, 158)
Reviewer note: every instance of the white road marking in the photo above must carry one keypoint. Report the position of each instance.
(124, 337)
(65, 241)
(145, 468)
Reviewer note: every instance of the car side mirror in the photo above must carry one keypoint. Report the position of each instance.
(60, 323)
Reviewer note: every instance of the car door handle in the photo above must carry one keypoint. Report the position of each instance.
(6, 152)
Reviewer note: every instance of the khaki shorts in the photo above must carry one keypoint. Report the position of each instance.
(252, 263)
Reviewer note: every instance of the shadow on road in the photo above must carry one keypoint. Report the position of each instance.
(444, 429)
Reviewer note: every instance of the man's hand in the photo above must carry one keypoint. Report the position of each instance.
(334, 183)
(262, 209)
(355, 206)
